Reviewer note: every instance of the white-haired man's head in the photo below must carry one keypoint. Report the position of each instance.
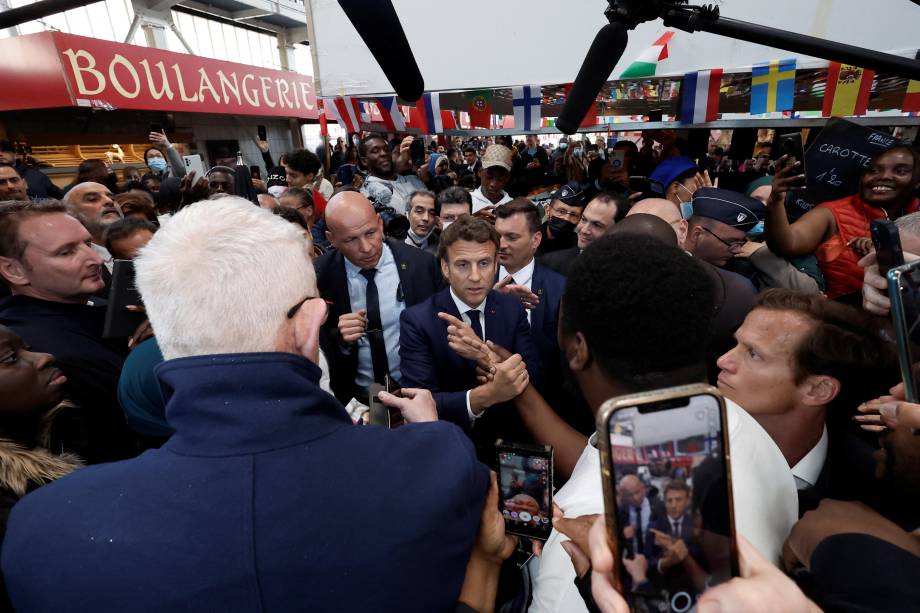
(222, 276)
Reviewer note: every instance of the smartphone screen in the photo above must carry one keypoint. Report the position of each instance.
(672, 500)
(904, 292)
(617, 158)
(155, 127)
(263, 133)
(417, 151)
(525, 489)
(255, 172)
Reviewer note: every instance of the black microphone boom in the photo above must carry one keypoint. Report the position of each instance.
(378, 25)
(603, 55)
(625, 15)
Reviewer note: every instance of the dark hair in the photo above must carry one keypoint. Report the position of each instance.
(467, 228)
(453, 195)
(13, 213)
(654, 300)
(13, 166)
(426, 194)
(627, 144)
(845, 343)
(469, 148)
(362, 146)
(148, 150)
(137, 200)
(123, 228)
(521, 206)
(6, 145)
(676, 484)
(690, 172)
(467, 181)
(291, 215)
(303, 195)
(302, 161)
(619, 200)
(88, 167)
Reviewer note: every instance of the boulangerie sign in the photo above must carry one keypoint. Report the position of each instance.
(57, 69)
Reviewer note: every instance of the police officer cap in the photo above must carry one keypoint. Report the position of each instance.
(571, 193)
(669, 170)
(731, 208)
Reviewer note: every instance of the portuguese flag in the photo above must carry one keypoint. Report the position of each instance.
(646, 64)
(480, 108)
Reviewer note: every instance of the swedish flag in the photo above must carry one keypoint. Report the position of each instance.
(773, 87)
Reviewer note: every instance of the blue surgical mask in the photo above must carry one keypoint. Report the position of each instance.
(157, 164)
(578, 152)
(563, 146)
(756, 230)
(686, 210)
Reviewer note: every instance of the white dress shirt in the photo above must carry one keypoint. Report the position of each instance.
(481, 202)
(389, 297)
(808, 469)
(522, 277)
(464, 309)
(763, 490)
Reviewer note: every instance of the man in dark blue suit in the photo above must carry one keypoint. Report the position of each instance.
(267, 497)
(368, 282)
(673, 550)
(540, 290)
(468, 251)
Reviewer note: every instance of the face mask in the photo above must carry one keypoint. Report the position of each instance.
(577, 153)
(356, 140)
(560, 226)
(686, 210)
(276, 190)
(157, 165)
(563, 146)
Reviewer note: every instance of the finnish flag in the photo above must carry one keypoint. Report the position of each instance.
(527, 100)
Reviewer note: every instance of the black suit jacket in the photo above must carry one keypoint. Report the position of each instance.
(561, 260)
(419, 278)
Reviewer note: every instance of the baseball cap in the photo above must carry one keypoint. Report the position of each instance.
(571, 193)
(667, 172)
(731, 208)
(497, 155)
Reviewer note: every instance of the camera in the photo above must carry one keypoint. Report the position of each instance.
(395, 225)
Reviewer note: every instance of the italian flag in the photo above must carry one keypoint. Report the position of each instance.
(646, 64)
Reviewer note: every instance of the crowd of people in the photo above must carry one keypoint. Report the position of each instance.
(220, 458)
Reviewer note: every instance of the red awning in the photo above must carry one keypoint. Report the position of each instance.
(53, 69)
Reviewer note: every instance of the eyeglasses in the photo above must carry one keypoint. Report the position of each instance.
(732, 245)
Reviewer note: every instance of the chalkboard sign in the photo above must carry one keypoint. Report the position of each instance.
(834, 163)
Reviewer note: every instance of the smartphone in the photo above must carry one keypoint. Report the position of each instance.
(155, 127)
(904, 292)
(345, 175)
(525, 488)
(194, 163)
(119, 321)
(255, 172)
(617, 158)
(380, 414)
(417, 151)
(887, 243)
(668, 448)
(263, 133)
(792, 145)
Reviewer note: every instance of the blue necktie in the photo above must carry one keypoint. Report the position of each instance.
(473, 314)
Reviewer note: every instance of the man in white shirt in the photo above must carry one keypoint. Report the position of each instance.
(494, 176)
(657, 303)
(799, 359)
(377, 157)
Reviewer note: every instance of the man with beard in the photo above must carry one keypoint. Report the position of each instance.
(93, 205)
(53, 269)
(837, 232)
(12, 185)
(562, 216)
(375, 155)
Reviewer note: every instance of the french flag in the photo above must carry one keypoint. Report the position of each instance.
(700, 96)
(389, 111)
(429, 112)
(346, 111)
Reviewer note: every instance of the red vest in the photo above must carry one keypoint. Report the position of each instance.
(838, 261)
